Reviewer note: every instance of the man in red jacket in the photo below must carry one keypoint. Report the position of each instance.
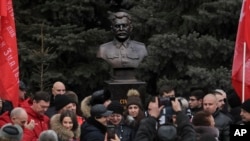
(40, 104)
(17, 116)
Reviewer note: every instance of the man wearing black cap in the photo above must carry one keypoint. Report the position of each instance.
(245, 113)
(123, 131)
(11, 132)
(94, 128)
(62, 103)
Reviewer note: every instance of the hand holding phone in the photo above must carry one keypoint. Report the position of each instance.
(111, 132)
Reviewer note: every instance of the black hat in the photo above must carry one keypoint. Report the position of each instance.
(246, 105)
(62, 100)
(116, 107)
(12, 132)
(22, 86)
(167, 133)
(99, 110)
(99, 97)
(73, 96)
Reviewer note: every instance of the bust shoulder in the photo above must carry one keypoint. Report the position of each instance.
(108, 44)
(139, 44)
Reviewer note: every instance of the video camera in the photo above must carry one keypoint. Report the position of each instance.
(167, 112)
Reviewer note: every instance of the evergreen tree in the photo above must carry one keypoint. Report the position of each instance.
(189, 42)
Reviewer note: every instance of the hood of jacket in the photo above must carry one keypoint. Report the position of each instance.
(62, 132)
(85, 107)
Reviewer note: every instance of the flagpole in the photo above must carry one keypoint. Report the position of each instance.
(244, 71)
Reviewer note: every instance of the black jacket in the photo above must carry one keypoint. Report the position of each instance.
(203, 130)
(148, 132)
(92, 130)
(7, 106)
(124, 132)
(222, 122)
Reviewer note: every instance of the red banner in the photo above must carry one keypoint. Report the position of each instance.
(3, 8)
(243, 37)
(9, 68)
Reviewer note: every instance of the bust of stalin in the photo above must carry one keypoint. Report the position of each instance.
(122, 53)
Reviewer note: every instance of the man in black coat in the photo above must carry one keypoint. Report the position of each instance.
(148, 132)
(94, 128)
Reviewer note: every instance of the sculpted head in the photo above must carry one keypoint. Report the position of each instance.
(121, 25)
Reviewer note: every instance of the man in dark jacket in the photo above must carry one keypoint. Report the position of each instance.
(245, 113)
(94, 128)
(222, 121)
(148, 132)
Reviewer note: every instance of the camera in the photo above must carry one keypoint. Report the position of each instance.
(166, 101)
(167, 112)
(110, 132)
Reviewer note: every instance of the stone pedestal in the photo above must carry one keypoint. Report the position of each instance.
(120, 88)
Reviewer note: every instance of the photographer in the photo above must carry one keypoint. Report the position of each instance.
(149, 130)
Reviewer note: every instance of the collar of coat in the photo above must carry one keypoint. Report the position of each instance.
(97, 124)
(61, 131)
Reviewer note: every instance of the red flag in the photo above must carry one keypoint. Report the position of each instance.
(243, 36)
(9, 68)
(3, 8)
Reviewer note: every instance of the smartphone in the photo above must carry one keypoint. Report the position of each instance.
(111, 132)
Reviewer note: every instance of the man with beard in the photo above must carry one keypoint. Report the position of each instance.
(122, 52)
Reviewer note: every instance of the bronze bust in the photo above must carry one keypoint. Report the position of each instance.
(122, 53)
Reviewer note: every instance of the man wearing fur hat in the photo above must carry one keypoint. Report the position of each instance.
(73, 96)
(62, 103)
(245, 113)
(98, 97)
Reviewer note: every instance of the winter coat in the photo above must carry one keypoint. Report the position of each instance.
(185, 130)
(5, 118)
(63, 133)
(92, 130)
(222, 122)
(147, 129)
(51, 111)
(201, 130)
(85, 107)
(41, 124)
(148, 132)
(124, 132)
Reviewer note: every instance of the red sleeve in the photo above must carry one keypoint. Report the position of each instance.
(29, 135)
(4, 118)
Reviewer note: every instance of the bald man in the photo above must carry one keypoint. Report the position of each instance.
(17, 116)
(58, 88)
(222, 122)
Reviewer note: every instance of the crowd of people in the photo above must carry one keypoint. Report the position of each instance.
(59, 116)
